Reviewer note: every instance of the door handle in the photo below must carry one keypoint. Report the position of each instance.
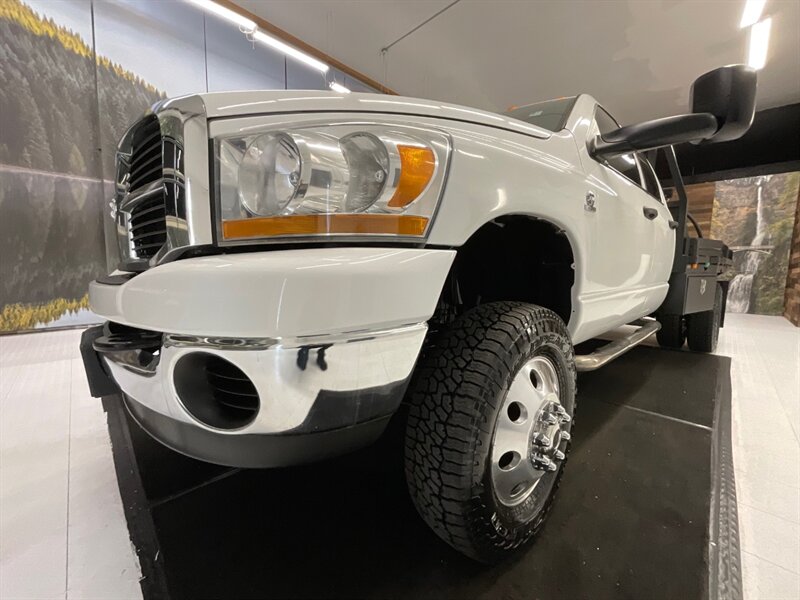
(650, 213)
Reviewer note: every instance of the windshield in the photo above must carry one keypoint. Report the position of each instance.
(551, 115)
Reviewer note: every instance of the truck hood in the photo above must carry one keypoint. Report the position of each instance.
(219, 105)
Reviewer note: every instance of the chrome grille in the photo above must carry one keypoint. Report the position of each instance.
(151, 210)
(149, 203)
(147, 226)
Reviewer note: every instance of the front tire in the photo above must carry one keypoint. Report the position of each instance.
(488, 429)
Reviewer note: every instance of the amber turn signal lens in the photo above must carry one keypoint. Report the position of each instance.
(417, 165)
(324, 224)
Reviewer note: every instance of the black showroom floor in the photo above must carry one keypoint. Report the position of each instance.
(639, 504)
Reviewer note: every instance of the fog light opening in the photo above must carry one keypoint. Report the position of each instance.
(215, 391)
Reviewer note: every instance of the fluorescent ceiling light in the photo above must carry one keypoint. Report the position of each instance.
(752, 13)
(288, 50)
(759, 42)
(338, 87)
(225, 13)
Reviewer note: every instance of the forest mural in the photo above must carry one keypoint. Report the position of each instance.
(74, 74)
(51, 168)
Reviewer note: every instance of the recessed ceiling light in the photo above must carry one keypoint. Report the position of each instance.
(752, 13)
(225, 13)
(759, 43)
(290, 51)
(250, 27)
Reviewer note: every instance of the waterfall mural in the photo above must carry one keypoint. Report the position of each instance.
(755, 217)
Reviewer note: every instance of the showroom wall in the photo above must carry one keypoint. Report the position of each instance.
(73, 75)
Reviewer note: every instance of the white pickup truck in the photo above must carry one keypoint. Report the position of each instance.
(298, 267)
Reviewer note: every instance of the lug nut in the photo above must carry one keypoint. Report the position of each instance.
(543, 463)
(558, 454)
(565, 436)
(541, 440)
(561, 413)
(548, 418)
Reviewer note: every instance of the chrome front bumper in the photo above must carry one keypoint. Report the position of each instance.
(345, 388)
(328, 338)
(292, 378)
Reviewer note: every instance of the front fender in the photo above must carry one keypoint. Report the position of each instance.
(504, 174)
(509, 174)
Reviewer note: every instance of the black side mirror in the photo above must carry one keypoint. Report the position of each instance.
(723, 106)
(728, 93)
(654, 134)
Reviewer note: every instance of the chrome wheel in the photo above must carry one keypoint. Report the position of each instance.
(531, 433)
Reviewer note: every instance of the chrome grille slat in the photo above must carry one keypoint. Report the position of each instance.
(142, 179)
(146, 246)
(153, 191)
(146, 153)
(138, 169)
(145, 211)
(135, 225)
(148, 142)
(146, 234)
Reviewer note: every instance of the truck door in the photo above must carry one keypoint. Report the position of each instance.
(631, 227)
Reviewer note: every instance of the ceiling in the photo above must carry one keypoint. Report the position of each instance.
(636, 57)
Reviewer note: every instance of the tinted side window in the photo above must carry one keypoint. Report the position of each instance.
(625, 163)
(551, 115)
(605, 122)
(651, 183)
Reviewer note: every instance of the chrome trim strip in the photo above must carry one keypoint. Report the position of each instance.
(173, 340)
(183, 120)
(218, 343)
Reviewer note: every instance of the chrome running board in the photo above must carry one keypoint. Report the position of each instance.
(607, 353)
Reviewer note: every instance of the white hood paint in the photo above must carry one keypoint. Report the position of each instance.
(239, 104)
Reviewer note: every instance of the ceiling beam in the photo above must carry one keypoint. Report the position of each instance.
(301, 45)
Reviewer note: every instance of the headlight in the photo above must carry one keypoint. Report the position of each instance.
(269, 174)
(334, 180)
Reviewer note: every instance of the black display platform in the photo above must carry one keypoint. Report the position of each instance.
(647, 508)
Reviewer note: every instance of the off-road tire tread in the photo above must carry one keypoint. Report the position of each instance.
(700, 327)
(450, 406)
(672, 333)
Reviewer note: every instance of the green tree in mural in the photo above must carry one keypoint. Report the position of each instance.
(35, 148)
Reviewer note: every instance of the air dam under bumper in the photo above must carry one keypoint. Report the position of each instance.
(272, 393)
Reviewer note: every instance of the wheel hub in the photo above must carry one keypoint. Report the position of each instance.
(548, 434)
(531, 433)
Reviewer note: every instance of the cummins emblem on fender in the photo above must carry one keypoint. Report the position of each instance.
(589, 204)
